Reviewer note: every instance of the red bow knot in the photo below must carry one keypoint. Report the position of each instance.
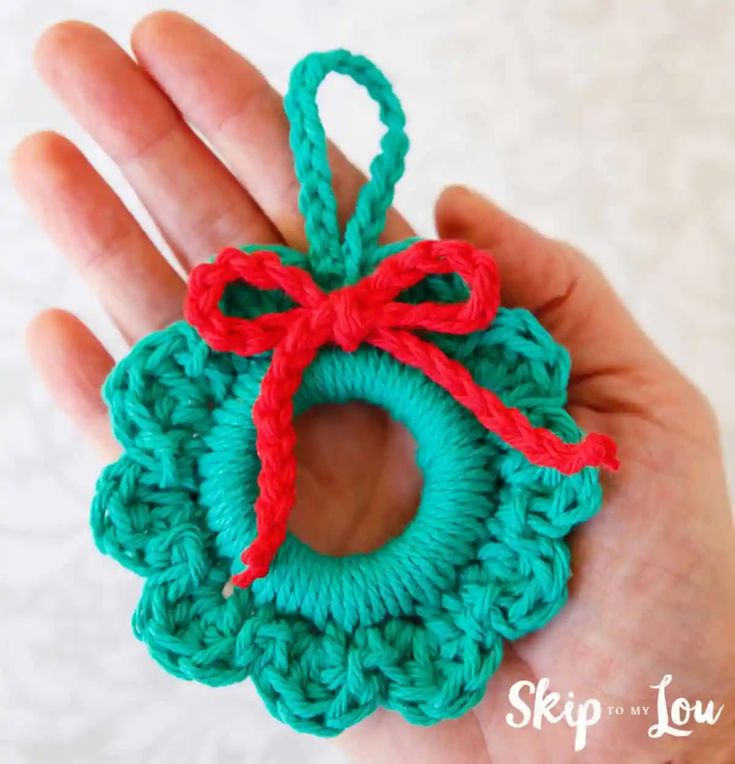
(350, 323)
(362, 313)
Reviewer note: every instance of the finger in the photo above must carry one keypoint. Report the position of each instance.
(232, 104)
(90, 224)
(73, 365)
(198, 204)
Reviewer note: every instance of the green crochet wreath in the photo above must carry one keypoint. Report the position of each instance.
(416, 626)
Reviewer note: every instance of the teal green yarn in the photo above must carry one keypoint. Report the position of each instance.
(416, 626)
(406, 572)
(334, 263)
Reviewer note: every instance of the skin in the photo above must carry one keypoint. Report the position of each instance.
(653, 590)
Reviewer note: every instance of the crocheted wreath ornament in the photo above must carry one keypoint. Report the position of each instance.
(204, 411)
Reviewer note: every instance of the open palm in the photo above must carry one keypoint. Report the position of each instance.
(653, 590)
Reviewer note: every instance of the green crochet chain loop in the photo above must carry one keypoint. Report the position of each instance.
(334, 263)
(416, 626)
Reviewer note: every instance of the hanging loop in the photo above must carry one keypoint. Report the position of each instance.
(338, 261)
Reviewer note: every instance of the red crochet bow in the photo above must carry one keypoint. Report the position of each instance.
(365, 312)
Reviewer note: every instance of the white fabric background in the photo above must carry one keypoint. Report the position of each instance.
(611, 124)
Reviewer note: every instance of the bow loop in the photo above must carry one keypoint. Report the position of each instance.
(434, 258)
(262, 270)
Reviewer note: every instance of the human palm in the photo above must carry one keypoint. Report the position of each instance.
(653, 590)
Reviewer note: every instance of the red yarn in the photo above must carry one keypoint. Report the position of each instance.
(365, 312)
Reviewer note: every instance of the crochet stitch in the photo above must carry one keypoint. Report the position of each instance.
(204, 413)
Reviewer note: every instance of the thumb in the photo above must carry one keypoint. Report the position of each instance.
(564, 290)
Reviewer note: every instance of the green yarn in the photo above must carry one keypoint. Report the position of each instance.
(336, 263)
(416, 626)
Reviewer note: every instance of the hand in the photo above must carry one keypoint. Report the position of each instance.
(653, 590)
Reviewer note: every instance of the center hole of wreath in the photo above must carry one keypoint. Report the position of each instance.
(358, 484)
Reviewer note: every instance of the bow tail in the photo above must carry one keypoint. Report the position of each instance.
(539, 445)
(275, 443)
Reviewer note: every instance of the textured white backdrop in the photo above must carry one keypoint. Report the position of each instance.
(611, 124)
